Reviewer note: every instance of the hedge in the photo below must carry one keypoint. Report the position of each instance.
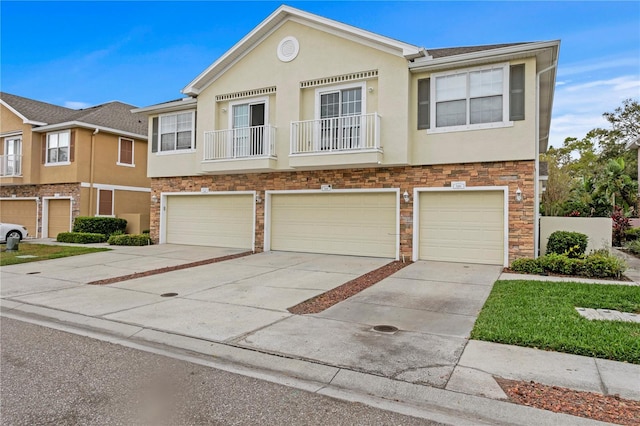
(599, 264)
(99, 225)
(81, 237)
(130, 240)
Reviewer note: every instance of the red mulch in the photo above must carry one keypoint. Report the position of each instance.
(612, 409)
(325, 300)
(168, 269)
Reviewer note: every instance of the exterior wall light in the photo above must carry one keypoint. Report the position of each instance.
(154, 199)
(258, 199)
(519, 195)
(405, 196)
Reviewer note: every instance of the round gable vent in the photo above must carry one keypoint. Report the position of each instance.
(288, 49)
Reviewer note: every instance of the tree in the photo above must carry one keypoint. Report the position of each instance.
(599, 171)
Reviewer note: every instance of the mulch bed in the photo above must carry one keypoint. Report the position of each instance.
(169, 269)
(612, 409)
(325, 300)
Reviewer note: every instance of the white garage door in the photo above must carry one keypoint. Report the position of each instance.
(210, 220)
(351, 223)
(462, 226)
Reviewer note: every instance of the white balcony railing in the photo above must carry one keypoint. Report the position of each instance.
(339, 134)
(11, 165)
(247, 142)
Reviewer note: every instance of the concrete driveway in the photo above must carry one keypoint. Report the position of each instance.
(244, 302)
(433, 304)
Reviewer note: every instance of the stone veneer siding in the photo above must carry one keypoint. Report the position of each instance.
(64, 189)
(514, 174)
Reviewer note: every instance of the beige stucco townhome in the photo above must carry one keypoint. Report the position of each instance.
(58, 163)
(315, 136)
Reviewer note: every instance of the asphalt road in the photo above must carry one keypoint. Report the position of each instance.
(51, 377)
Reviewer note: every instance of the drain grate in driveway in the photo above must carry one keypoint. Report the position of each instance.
(385, 328)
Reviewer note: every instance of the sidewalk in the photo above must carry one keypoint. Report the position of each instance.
(469, 396)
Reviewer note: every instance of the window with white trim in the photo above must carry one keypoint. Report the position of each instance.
(125, 152)
(12, 161)
(58, 147)
(475, 98)
(177, 132)
(340, 112)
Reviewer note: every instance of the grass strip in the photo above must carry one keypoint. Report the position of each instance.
(542, 315)
(43, 252)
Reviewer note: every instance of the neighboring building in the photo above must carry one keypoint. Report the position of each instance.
(314, 136)
(59, 163)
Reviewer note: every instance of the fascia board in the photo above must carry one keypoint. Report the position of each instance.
(180, 105)
(467, 59)
(72, 124)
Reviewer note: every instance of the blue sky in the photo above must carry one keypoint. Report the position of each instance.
(85, 53)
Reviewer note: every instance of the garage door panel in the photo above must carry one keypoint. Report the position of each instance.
(21, 212)
(59, 217)
(362, 224)
(462, 226)
(210, 220)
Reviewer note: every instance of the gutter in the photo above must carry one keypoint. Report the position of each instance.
(69, 124)
(536, 182)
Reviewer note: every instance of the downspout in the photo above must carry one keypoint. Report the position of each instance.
(91, 170)
(536, 177)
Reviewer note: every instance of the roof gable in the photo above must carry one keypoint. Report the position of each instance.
(282, 15)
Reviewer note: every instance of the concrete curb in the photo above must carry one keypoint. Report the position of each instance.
(411, 399)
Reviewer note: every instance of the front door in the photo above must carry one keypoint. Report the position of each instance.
(248, 129)
(340, 113)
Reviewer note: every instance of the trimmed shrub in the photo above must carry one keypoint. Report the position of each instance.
(99, 225)
(558, 264)
(573, 244)
(603, 265)
(81, 237)
(599, 264)
(527, 266)
(130, 240)
(146, 231)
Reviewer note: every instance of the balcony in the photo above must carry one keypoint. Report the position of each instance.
(352, 140)
(10, 165)
(244, 149)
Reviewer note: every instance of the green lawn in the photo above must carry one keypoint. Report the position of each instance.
(42, 252)
(542, 315)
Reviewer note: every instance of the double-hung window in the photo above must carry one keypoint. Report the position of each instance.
(177, 132)
(471, 99)
(58, 147)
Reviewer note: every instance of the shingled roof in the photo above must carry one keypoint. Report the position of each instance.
(114, 115)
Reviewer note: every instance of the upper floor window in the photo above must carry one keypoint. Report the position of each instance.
(12, 160)
(176, 131)
(471, 99)
(125, 152)
(58, 146)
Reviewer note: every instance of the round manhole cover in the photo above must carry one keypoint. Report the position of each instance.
(168, 294)
(385, 328)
